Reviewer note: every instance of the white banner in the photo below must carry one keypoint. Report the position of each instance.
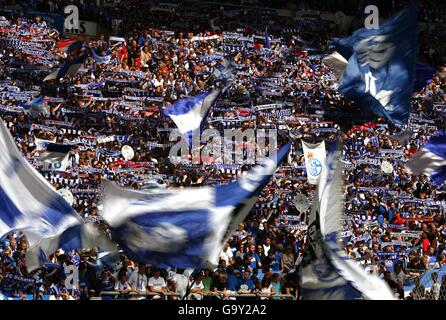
(55, 164)
(315, 157)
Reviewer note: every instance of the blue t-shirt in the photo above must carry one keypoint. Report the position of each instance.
(255, 259)
(232, 283)
(108, 284)
(275, 265)
(246, 285)
(390, 266)
(277, 287)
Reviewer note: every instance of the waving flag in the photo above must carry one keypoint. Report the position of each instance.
(37, 107)
(69, 45)
(190, 114)
(30, 204)
(69, 68)
(337, 63)
(327, 273)
(225, 71)
(381, 71)
(430, 159)
(183, 228)
(101, 59)
(54, 156)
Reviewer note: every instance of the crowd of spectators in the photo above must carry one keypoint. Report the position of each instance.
(394, 222)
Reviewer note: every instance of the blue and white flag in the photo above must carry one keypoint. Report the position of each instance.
(327, 273)
(37, 107)
(184, 228)
(430, 159)
(338, 62)
(381, 71)
(69, 68)
(101, 59)
(54, 156)
(225, 71)
(190, 114)
(29, 203)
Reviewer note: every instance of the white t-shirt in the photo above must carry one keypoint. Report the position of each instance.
(122, 286)
(226, 255)
(181, 283)
(157, 283)
(197, 285)
(138, 281)
(436, 290)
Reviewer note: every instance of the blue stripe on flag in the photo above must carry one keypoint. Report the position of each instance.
(437, 144)
(181, 237)
(185, 105)
(9, 211)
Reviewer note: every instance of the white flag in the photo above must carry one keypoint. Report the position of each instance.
(315, 157)
(327, 273)
(337, 63)
(30, 204)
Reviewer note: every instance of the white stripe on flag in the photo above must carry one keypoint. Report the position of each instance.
(424, 162)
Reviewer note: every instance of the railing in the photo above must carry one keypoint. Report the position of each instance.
(167, 295)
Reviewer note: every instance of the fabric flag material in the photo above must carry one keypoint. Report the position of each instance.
(55, 156)
(424, 75)
(183, 228)
(30, 204)
(37, 107)
(337, 63)
(190, 114)
(68, 45)
(101, 59)
(381, 72)
(225, 71)
(315, 157)
(327, 273)
(423, 72)
(69, 68)
(430, 159)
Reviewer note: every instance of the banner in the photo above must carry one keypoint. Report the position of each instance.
(315, 157)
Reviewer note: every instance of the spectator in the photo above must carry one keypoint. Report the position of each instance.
(138, 279)
(157, 284)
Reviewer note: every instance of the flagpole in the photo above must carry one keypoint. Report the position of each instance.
(190, 287)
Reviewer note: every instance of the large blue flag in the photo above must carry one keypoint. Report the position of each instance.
(183, 228)
(380, 74)
(190, 114)
(423, 72)
(30, 204)
(430, 159)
